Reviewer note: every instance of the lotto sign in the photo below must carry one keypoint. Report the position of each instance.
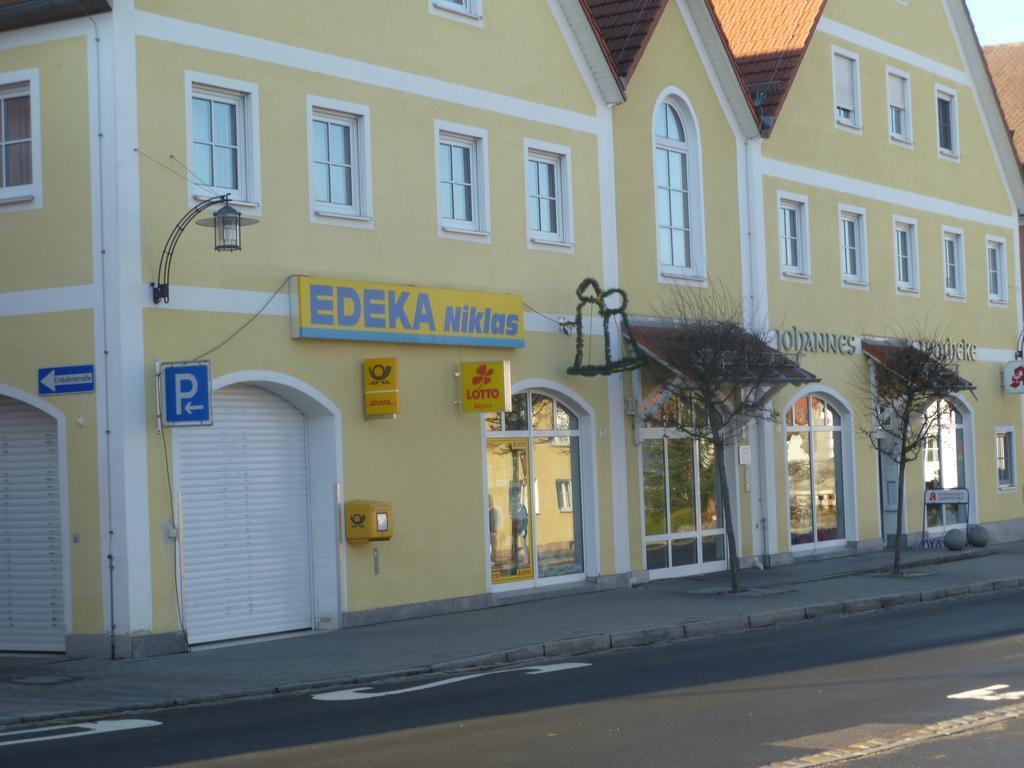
(486, 387)
(380, 386)
(1013, 377)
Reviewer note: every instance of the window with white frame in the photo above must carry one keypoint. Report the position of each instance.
(548, 194)
(846, 88)
(339, 159)
(996, 260)
(470, 8)
(461, 181)
(898, 90)
(953, 263)
(676, 161)
(945, 102)
(20, 150)
(852, 246)
(223, 138)
(905, 248)
(793, 241)
(1006, 462)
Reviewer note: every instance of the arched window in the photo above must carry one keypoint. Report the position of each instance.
(944, 461)
(814, 472)
(534, 508)
(677, 190)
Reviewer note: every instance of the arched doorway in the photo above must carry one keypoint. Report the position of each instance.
(32, 539)
(817, 446)
(247, 551)
(535, 491)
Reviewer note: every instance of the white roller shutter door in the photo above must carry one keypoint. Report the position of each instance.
(31, 540)
(245, 518)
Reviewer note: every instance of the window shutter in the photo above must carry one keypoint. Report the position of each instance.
(897, 91)
(843, 69)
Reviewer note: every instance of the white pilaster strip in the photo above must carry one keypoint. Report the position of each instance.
(42, 300)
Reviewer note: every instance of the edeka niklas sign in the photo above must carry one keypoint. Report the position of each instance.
(341, 309)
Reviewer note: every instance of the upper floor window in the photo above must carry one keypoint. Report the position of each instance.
(677, 197)
(20, 156)
(548, 194)
(846, 87)
(462, 201)
(898, 89)
(905, 243)
(947, 122)
(468, 10)
(953, 263)
(794, 252)
(339, 161)
(852, 245)
(996, 258)
(223, 140)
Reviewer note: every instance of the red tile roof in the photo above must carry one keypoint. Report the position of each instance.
(767, 39)
(625, 26)
(1006, 65)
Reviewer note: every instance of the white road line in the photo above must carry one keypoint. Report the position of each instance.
(353, 694)
(989, 693)
(79, 729)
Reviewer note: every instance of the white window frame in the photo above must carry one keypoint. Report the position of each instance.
(855, 124)
(697, 274)
(468, 11)
(25, 196)
(1000, 298)
(562, 239)
(360, 213)
(957, 235)
(802, 271)
(948, 94)
(477, 230)
(906, 139)
(247, 99)
(858, 279)
(913, 287)
(1011, 462)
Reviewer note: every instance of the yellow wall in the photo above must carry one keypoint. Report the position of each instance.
(51, 246)
(404, 35)
(31, 342)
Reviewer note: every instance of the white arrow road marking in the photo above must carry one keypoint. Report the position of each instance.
(52, 732)
(352, 694)
(989, 693)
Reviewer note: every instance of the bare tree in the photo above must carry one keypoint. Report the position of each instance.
(911, 373)
(717, 375)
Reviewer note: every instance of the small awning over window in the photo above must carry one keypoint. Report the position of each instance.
(905, 360)
(668, 344)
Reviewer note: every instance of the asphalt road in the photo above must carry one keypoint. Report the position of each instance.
(740, 700)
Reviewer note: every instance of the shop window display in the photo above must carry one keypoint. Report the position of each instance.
(534, 512)
(944, 461)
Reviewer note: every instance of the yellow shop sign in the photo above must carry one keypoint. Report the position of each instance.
(486, 387)
(380, 386)
(341, 309)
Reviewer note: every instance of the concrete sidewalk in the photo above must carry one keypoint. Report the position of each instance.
(46, 688)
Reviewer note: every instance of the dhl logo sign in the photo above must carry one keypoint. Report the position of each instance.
(380, 386)
(486, 387)
(340, 309)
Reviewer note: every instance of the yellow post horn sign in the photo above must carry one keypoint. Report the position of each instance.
(380, 387)
(486, 387)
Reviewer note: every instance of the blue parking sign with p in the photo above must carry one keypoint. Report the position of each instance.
(187, 394)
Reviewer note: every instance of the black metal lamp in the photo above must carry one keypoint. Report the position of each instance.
(227, 225)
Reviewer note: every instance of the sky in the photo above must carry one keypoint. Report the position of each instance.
(998, 21)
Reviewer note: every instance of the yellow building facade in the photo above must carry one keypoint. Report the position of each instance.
(427, 202)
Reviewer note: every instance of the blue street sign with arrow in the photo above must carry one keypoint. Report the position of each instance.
(66, 380)
(187, 391)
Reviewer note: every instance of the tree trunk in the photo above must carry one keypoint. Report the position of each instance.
(730, 529)
(896, 565)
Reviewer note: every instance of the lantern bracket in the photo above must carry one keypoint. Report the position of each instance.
(162, 288)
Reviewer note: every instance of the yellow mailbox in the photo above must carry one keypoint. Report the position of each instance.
(368, 520)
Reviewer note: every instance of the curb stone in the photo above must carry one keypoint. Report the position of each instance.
(567, 647)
